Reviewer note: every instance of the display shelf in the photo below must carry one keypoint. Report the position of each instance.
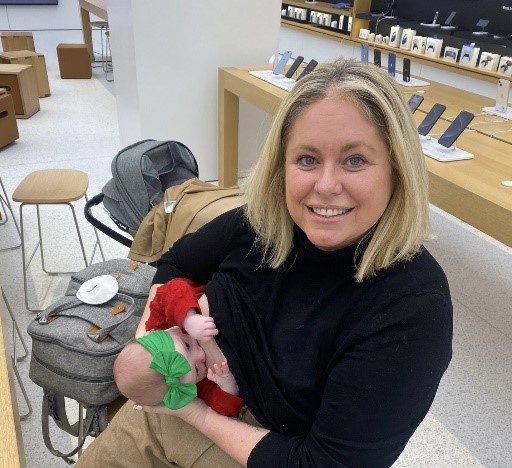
(323, 7)
(362, 18)
(476, 72)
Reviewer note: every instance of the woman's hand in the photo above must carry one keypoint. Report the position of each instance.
(194, 413)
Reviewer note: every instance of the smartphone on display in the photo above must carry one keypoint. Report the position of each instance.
(455, 129)
(295, 65)
(364, 52)
(414, 102)
(406, 70)
(282, 62)
(309, 68)
(502, 95)
(392, 64)
(431, 118)
(377, 57)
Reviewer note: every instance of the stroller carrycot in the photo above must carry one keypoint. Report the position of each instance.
(141, 173)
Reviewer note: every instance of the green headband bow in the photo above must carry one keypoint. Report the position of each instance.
(172, 365)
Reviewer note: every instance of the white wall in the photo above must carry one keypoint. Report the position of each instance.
(65, 15)
(166, 57)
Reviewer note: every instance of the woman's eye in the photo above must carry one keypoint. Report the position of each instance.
(197, 370)
(307, 161)
(355, 161)
(187, 345)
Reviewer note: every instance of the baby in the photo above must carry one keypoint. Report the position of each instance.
(164, 366)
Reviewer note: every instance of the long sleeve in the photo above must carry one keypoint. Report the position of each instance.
(172, 302)
(222, 402)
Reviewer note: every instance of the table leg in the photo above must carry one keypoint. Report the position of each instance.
(86, 30)
(228, 137)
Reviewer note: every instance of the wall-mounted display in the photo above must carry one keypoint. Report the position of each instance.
(29, 2)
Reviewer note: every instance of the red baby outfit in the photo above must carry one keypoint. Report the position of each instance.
(169, 307)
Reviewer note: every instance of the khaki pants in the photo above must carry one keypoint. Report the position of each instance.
(138, 439)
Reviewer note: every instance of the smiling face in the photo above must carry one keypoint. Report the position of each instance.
(194, 354)
(338, 177)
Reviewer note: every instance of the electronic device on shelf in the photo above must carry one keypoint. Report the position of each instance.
(282, 62)
(295, 65)
(448, 21)
(459, 124)
(414, 102)
(434, 23)
(392, 64)
(364, 52)
(431, 118)
(482, 23)
(377, 56)
(406, 70)
(309, 68)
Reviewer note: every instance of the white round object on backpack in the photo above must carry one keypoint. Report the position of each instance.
(98, 290)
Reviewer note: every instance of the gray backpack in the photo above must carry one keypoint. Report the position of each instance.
(74, 346)
(141, 173)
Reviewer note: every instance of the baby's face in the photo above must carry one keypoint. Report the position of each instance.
(193, 353)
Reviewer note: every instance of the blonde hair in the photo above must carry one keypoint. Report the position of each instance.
(404, 225)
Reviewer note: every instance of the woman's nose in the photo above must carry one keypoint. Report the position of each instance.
(329, 181)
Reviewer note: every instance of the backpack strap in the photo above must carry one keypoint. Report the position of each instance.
(94, 423)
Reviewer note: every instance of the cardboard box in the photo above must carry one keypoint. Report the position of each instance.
(17, 40)
(20, 82)
(469, 55)
(451, 54)
(505, 66)
(433, 47)
(27, 57)
(74, 61)
(395, 36)
(8, 125)
(407, 36)
(418, 44)
(489, 61)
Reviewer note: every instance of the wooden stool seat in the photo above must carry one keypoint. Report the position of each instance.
(51, 186)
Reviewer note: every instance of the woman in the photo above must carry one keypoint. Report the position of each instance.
(335, 321)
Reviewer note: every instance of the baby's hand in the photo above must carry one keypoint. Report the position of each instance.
(200, 327)
(222, 376)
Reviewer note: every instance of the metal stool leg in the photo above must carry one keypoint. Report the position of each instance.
(108, 53)
(39, 246)
(4, 202)
(15, 358)
(97, 244)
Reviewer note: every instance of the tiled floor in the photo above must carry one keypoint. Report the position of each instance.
(470, 423)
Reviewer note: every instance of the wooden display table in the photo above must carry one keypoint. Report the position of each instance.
(12, 454)
(96, 7)
(470, 190)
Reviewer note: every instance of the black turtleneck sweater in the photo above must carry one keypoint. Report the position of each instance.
(340, 372)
